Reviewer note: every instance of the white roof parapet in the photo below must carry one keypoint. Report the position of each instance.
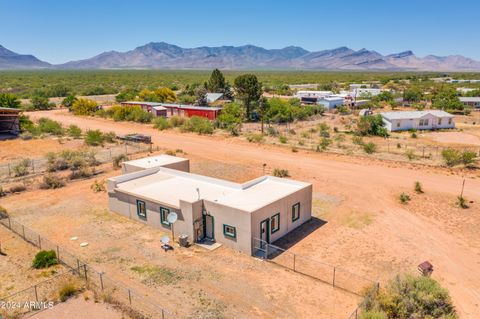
(413, 114)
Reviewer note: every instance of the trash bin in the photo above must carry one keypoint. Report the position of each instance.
(183, 240)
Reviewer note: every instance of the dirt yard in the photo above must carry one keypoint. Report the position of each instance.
(367, 229)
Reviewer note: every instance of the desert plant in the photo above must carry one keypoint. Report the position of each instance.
(280, 172)
(404, 198)
(18, 188)
(45, 259)
(66, 291)
(358, 140)
(462, 202)
(161, 123)
(74, 131)
(51, 181)
(98, 186)
(22, 167)
(324, 144)
(82, 172)
(255, 138)
(119, 159)
(324, 130)
(413, 135)
(3, 211)
(294, 149)
(198, 125)
(370, 147)
(48, 126)
(283, 139)
(177, 121)
(410, 155)
(468, 157)
(418, 188)
(2, 192)
(399, 145)
(272, 131)
(451, 156)
(94, 138)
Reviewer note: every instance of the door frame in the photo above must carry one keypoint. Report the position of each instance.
(267, 230)
(204, 216)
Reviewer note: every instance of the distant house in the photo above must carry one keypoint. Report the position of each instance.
(209, 210)
(418, 120)
(153, 107)
(471, 101)
(359, 92)
(214, 97)
(208, 112)
(312, 97)
(9, 122)
(330, 102)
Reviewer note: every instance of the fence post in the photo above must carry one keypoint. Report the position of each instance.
(129, 297)
(101, 280)
(356, 313)
(36, 293)
(23, 232)
(163, 314)
(78, 266)
(9, 223)
(9, 173)
(334, 273)
(294, 262)
(85, 271)
(39, 242)
(58, 253)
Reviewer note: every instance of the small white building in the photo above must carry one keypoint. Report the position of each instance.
(471, 101)
(164, 160)
(418, 120)
(213, 97)
(330, 102)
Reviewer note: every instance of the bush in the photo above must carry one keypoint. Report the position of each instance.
(468, 157)
(133, 113)
(279, 172)
(371, 125)
(98, 186)
(451, 157)
(373, 315)
(161, 123)
(117, 160)
(370, 148)
(418, 188)
(44, 259)
(41, 103)
(462, 202)
(49, 126)
(18, 188)
(66, 291)
(413, 135)
(70, 159)
(404, 198)
(84, 107)
(3, 211)
(82, 172)
(22, 167)
(198, 125)
(51, 181)
(94, 138)
(177, 121)
(283, 139)
(74, 131)
(2, 192)
(408, 296)
(324, 130)
(410, 154)
(358, 140)
(324, 144)
(255, 138)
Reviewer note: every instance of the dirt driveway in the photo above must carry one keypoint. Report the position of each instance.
(367, 229)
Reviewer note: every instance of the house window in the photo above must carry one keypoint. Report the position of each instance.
(275, 223)
(141, 210)
(450, 121)
(229, 231)
(425, 122)
(295, 212)
(439, 121)
(398, 124)
(163, 216)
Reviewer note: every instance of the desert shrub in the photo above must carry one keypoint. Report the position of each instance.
(161, 123)
(49, 126)
(198, 125)
(177, 121)
(82, 172)
(2, 192)
(468, 157)
(358, 140)
(18, 188)
(418, 188)
(109, 137)
(371, 125)
(343, 110)
(404, 198)
(272, 131)
(70, 160)
(462, 202)
(94, 138)
(373, 315)
(410, 154)
(413, 135)
(280, 172)
(255, 138)
(74, 131)
(98, 186)
(370, 148)
(3, 211)
(84, 106)
(324, 130)
(451, 156)
(22, 167)
(324, 144)
(51, 181)
(117, 160)
(283, 139)
(399, 145)
(44, 259)
(292, 132)
(66, 291)
(294, 149)
(408, 296)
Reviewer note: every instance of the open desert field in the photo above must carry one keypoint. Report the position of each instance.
(364, 229)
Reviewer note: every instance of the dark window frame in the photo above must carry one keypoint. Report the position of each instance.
(140, 214)
(229, 234)
(163, 220)
(293, 212)
(272, 230)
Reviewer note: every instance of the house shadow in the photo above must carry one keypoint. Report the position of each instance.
(299, 233)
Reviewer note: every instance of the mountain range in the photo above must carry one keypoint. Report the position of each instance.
(161, 55)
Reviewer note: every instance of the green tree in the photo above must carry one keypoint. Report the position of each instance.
(9, 100)
(201, 96)
(40, 102)
(84, 107)
(216, 83)
(371, 125)
(126, 95)
(231, 118)
(445, 98)
(69, 100)
(413, 95)
(249, 90)
(384, 96)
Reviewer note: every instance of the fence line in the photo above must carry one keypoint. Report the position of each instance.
(335, 276)
(111, 291)
(39, 165)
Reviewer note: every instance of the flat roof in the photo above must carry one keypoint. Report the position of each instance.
(142, 103)
(155, 161)
(169, 186)
(414, 114)
(469, 99)
(190, 107)
(9, 109)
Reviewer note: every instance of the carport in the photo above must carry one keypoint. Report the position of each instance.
(9, 123)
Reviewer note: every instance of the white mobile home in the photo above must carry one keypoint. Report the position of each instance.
(212, 210)
(418, 120)
(471, 101)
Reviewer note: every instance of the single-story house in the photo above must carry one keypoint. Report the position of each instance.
(471, 101)
(164, 160)
(418, 120)
(210, 209)
(208, 112)
(9, 122)
(330, 102)
(213, 97)
(152, 107)
(311, 97)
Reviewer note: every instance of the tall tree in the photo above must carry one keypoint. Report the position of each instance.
(216, 83)
(9, 100)
(248, 89)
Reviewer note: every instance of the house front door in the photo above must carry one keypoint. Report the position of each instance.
(208, 226)
(265, 230)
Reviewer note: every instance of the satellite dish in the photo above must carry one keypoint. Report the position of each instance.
(165, 240)
(172, 217)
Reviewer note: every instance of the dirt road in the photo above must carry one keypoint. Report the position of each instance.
(367, 229)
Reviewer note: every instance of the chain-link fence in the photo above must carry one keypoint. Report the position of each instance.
(335, 276)
(39, 165)
(105, 288)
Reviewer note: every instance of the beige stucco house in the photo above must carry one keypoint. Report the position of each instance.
(211, 209)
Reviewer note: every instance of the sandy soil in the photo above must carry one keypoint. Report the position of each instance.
(455, 138)
(367, 231)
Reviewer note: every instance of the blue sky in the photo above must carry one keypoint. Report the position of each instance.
(61, 30)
